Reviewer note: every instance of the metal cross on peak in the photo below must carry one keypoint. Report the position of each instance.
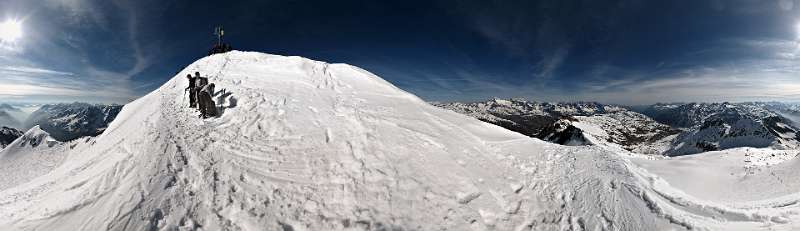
(219, 32)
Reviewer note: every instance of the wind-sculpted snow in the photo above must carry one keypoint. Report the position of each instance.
(306, 145)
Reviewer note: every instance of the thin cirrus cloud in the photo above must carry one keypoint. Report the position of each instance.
(22, 81)
(753, 82)
(53, 38)
(630, 52)
(32, 71)
(747, 80)
(10, 90)
(602, 55)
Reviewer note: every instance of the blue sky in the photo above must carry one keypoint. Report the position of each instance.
(627, 51)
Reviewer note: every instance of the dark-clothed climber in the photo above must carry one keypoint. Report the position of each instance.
(192, 91)
(207, 106)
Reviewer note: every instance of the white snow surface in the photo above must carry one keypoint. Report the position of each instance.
(31, 155)
(733, 175)
(626, 129)
(306, 145)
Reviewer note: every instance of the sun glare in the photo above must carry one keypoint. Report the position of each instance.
(10, 31)
(797, 30)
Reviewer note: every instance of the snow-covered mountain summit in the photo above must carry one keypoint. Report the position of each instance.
(307, 145)
(33, 138)
(31, 155)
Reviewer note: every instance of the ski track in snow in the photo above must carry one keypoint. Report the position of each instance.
(305, 145)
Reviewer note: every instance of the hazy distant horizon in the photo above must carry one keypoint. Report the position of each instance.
(44, 102)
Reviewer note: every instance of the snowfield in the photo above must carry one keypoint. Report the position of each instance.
(33, 154)
(306, 145)
(732, 175)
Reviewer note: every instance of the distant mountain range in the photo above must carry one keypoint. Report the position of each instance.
(528, 118)
(716, 126)
(8, 135)
(66, 122)
(667, 129)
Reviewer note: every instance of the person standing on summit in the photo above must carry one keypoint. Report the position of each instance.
(202, 104)
(201, 81)
(207, 106)
(192, 90)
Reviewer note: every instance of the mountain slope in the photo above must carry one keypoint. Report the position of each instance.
(718, 126)
(8, 135)
(528, 118)
(70, 121)
(571, 123)
(31, 155)
(629, 130)
(306, 145)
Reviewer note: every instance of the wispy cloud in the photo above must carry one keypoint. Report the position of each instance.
(80, 12)
(141, 61)
(548, 65)
(31, 70)
(746, 81)
(22, 81)
(753, 7)
(89, 75)
(755, 81)
(28, 89)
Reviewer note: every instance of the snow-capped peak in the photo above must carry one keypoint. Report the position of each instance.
(33, 138)
(307, 145)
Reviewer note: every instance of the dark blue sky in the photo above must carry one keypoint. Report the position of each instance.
(627, 51)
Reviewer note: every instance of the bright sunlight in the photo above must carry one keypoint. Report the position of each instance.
(10, 31)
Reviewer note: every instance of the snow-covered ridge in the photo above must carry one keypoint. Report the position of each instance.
(31, 155)
(34, 137)
(307, 145)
